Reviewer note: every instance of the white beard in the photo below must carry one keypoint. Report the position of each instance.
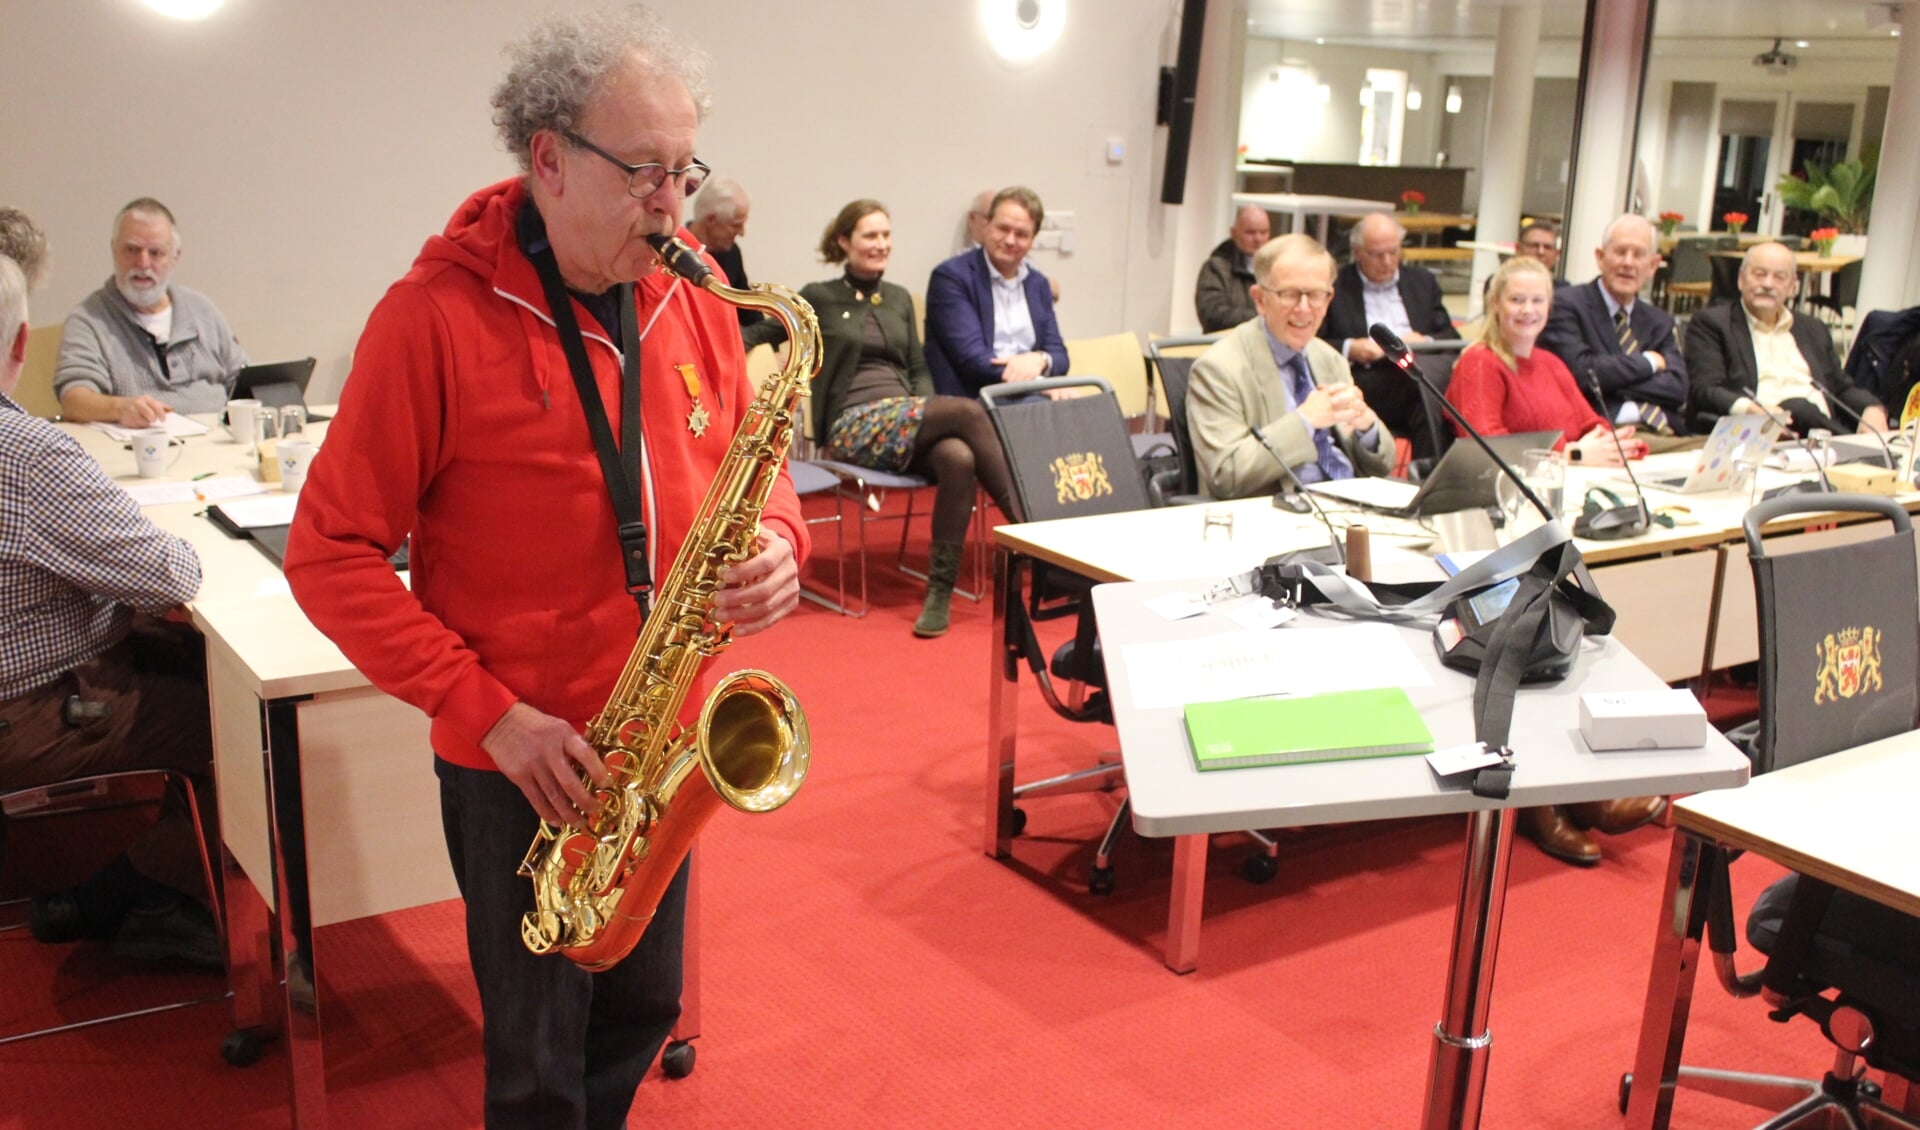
(142, 297)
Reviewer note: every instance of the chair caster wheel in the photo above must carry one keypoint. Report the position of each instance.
(1019, 820)
(243, 1047)
(1100, 880)
(677, 1061)
(1626, 1088)
(1260, 868)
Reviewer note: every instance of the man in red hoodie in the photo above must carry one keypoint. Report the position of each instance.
(461, 426)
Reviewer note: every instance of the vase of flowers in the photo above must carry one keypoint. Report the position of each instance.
(1411, 200)
(1823, 239)
(1735, 221)
(1670, 222)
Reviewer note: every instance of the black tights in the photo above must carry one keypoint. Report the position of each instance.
(957, 447)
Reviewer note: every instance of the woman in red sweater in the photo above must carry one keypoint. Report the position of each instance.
(1504, 385)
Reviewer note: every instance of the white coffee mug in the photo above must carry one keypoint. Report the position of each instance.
(240, 418)
(151, 454)
(295, 456)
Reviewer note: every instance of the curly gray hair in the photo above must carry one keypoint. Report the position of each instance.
(558, 66)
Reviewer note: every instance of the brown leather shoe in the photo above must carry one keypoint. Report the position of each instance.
(1616, 816)
(1549, 828)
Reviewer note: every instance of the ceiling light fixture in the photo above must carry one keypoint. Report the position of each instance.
(1413, 98)
(185, 9)
(1453, 100)
(1020, 30)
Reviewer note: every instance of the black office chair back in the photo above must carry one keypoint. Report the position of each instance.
(1070, 457)
(1176, 374)
(1690, 261)
(1438, 367)
(1839, 634)
(1726, 279)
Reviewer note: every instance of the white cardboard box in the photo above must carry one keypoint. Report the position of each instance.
(1668, 719)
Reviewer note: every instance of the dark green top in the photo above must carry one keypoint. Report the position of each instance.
(840, 340)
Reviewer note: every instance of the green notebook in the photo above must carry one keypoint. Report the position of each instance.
(1338, 726)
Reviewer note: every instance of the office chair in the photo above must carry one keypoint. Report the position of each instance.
(1072, 458)
(1173, 359)
(1690, 279)
(52, 808)
(1436, 359)
(1839, 667)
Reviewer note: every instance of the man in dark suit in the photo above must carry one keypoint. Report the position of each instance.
(989, 313)
(1609, 338)
(1377, 287)
(1755, 348)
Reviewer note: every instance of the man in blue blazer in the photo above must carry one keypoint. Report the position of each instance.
(989, 313)
(1609, 338)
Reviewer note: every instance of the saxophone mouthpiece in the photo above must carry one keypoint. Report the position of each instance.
(682, 260)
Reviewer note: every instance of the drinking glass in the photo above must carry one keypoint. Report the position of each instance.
(293, 420)
(1545, 473)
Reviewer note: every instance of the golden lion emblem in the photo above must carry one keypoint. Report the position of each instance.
(1849, 664)
(1079, 477)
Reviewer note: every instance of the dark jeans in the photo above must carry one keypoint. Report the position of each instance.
(151, 694)
(564, 1047)
(1395, 398)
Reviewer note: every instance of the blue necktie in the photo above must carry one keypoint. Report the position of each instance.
(1329, 458)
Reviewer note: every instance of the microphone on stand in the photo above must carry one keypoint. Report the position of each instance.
(1615, 521)
(1401, 356)
(1333, 539)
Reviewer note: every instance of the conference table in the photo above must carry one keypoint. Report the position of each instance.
(1171, 798)
(328, 801)
(1845, 819)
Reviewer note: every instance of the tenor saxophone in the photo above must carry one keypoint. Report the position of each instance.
(596, 889)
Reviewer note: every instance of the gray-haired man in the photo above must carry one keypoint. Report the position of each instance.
(719, 220)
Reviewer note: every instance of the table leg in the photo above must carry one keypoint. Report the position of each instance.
(1457, 1069)
(1676, 958)
(250, 958)
(688, 1027)
(287, 828)
(1184, 904)
(1003, 700)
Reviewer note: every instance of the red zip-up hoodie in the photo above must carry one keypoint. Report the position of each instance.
(460, 425)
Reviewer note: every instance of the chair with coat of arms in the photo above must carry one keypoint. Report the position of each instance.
(1070, 457)
(1839, 667)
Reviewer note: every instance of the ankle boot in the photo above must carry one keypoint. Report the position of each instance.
(942, 572)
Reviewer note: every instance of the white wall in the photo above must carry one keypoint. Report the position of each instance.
(308, 148)
(1330, 132)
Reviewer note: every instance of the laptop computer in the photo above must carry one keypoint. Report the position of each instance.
(1462, 480)
(1735, 439)
(276, 385)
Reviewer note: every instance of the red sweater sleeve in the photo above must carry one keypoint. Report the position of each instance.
(392, 430)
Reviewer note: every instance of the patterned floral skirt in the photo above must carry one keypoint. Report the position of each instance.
(878, 434)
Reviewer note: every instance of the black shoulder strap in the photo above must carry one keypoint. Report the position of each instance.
(620, 466)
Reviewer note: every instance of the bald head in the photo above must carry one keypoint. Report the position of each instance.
(980, 214)
(1376, 246)
(1250, 228)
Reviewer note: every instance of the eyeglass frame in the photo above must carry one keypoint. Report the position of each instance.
(632, 171)
(1316, 299)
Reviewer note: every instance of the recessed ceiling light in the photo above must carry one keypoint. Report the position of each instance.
(1319, 41)
(1802, 43)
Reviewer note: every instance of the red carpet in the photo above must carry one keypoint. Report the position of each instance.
(866, 966)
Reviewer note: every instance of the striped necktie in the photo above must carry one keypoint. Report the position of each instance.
(1623, 330)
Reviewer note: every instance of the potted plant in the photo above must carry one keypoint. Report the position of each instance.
(1841, 194)
(1410, 201)
(1736, 221)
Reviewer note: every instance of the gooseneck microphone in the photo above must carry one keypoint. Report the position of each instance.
(1333, 539)
(1400, 355)
(1612, 522)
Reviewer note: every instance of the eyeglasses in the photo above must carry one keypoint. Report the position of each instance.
(1290, 298)
(645, 180)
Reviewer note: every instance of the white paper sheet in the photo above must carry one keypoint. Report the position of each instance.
(204, 490)
(1389, 494)
(175, 423)
(1247, 664)
(266, 510)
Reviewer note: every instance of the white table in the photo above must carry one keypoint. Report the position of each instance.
(1170, 797)
(1299, 208)
(1845, 819)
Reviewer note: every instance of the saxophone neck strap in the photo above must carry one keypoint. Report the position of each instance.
(619, 465)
